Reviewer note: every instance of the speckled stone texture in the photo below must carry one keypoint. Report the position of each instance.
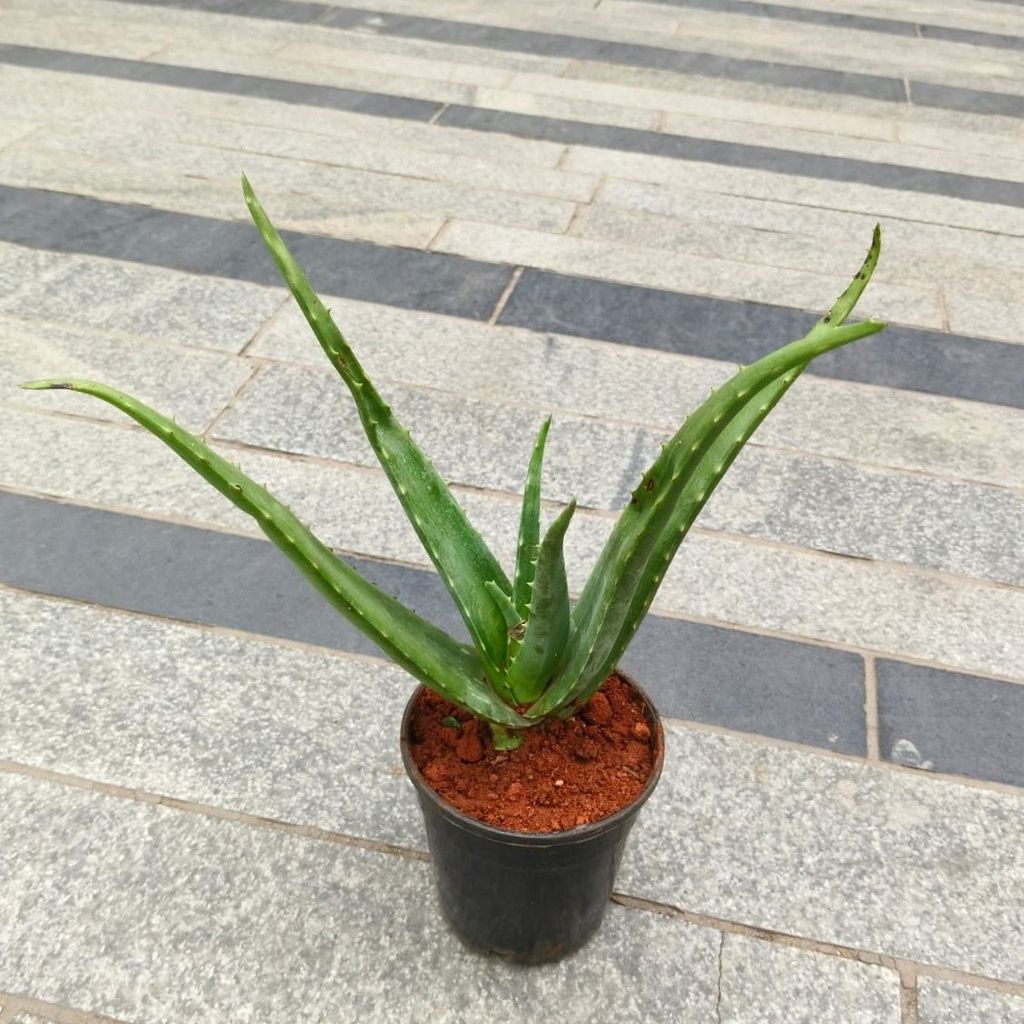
(860, 856)
(831, 850)
(947, 1002)
(163, 917)
(764, 982)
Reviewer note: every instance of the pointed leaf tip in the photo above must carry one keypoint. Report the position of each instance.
(47, 385)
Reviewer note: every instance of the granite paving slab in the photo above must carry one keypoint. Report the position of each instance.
(861, 856)
(552, 372)
(811, 845)
(946, 1002)
(133, 299)
(191, 386)
(769, 982)
(173, 917)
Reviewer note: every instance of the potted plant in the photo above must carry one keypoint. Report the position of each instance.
(529, 753)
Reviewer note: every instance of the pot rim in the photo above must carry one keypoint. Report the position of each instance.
(578, 834)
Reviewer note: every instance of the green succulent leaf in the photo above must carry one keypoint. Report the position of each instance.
(504, 603)
(428, 654)
(458, 552)
(547, 622)
(672, 492)
(529, 525)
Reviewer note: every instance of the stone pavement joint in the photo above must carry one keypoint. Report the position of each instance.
(209, 810)
(20, 1009)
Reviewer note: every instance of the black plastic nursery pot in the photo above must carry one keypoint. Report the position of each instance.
(532, 897)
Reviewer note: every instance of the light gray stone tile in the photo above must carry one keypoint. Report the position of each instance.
(389, 79)
(413, 57)
(706, 211)
(84, 100)
(799, 247)
(379, 154)
(13, 129)
(875, 201)
(862, 856)
(987, 318)
(81, 35)
(883, 151)
(568, 108)
(849, 601)
(634, 264)
(127, 469)
(308, 412)
(125, 181)
(301, 736)
(168, 916)
(869, 513)
(939, 436)
(937, 136)
(161, 305)
(947, 1002)
(802, 500)
(190, 385)
(330, 199)
(737, 120)
(764, 981)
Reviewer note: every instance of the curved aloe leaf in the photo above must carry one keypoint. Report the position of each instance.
(529, 526)
(459, 553)
(547, 622)
(420, 648)
(688, 506)
(672, 492)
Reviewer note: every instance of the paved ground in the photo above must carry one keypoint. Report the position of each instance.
(594, 209)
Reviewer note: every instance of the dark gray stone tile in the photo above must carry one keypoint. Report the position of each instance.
(782, 12)
(181, 572)
(743, 681)
(204, 245)
(757, 684)
(973, 101)
(736, 154)
(301, 93)
(972, 37)
(951, 722)
(900, 357)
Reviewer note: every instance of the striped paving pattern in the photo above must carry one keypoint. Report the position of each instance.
(589, 209)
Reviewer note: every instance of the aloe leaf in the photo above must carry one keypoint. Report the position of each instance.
(424, 651)
(458, 552)
(529, 525)
(548, 616)
(505, 605)
(633, 561)
(689, 504)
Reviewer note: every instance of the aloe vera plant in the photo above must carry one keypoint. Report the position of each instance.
(533, 655)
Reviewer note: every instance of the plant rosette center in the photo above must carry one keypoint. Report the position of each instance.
(565, 774)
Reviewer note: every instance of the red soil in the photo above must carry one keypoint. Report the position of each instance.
(565, 774)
